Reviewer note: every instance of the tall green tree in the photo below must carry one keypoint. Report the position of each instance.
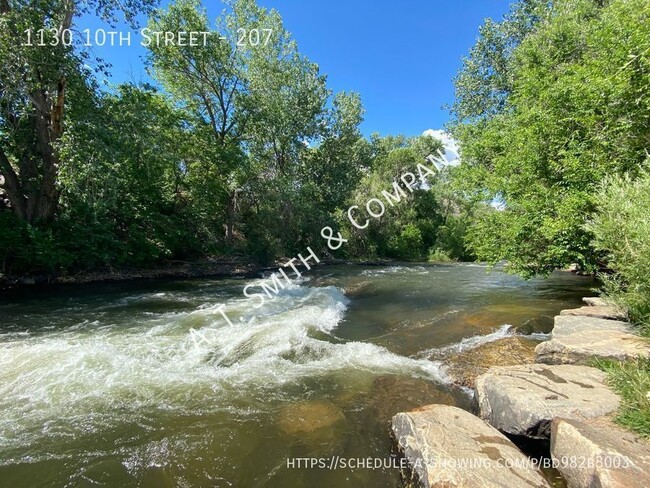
(576, 110)
(36, 82)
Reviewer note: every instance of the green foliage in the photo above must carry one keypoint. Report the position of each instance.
(485, 82)
(407, 245)
(621, 231)
(41, 87)
(429, 217)
(576, 109)
(437, 255)
(631, 380)
(243, 151)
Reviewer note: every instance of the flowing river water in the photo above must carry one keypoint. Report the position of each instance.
(112, 385)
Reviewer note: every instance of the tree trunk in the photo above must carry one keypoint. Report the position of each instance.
(30, 183)
(231, 208)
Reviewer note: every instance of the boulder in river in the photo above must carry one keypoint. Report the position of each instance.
(599, 455)
(304, 417)
(466, 366)
(522, 400)
(449, 447)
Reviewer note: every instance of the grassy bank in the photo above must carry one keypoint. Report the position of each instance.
(631, 380)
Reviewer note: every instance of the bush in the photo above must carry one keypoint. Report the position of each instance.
(438, 255)
(12, 237)
(408, 245)
(621, 229)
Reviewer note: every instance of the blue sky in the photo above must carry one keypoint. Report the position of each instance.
(400, 56)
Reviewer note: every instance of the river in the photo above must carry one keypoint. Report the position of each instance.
(145, 384)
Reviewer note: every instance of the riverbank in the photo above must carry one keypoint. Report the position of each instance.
(560, 399)
(209, 268)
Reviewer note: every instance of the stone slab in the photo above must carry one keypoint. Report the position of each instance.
(449, 447)
(583, 347)
(522, 400)
(595, 301)
(570, 324)
(599, 311)
(599, 456)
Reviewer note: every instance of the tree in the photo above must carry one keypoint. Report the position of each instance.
(408, 229)
(35, 83)
(485, 81)
(621, 230)
(271, 135)
(576, 110)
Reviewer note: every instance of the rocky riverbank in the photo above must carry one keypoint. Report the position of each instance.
(559, 399)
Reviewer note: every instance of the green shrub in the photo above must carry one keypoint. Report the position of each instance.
(408, 245)
(621, 229)
(438, 255)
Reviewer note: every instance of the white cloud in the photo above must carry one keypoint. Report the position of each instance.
(452, 153)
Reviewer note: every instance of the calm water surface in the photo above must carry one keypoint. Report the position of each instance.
(145, 384)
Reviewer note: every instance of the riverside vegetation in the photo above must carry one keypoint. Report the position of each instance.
(244, 152)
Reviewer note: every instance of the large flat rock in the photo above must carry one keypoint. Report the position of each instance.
(579, 339)
(570, 324)
(449, 447)
(466, 366)
(523, 400)
(595, 301)
(599, 456)
(599, 311)
(582, 347)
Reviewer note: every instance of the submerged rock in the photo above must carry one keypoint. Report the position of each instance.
(522, 400)
(597, 455)
(447, 447)
(391, 394)
(357, 289)
(497, 314)
(466, 366)
(309, 416)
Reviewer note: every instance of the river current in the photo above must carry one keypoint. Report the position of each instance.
(146, 385)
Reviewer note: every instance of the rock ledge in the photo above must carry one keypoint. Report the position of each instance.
(446, 447)
(523, 400)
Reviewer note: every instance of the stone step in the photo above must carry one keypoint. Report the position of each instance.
(595, 301)
(446, 446)
(522, 400)
(583, 347)
(588, 454)
(600, 311)
(579, 339)
(569, 324)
